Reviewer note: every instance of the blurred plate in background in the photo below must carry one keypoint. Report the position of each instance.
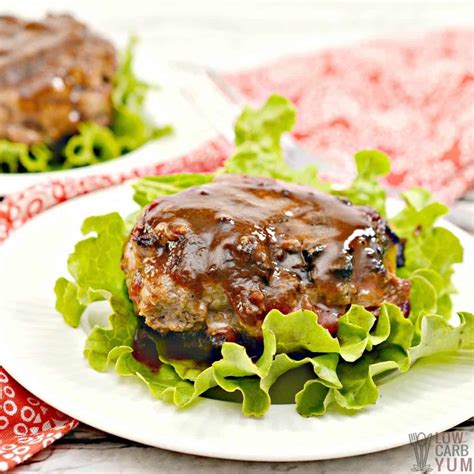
(164, 106)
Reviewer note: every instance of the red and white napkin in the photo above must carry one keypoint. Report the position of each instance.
(412, 99)
(27, 425)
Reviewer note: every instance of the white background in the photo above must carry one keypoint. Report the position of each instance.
(233, 34)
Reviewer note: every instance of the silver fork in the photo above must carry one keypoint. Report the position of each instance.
(219, 103)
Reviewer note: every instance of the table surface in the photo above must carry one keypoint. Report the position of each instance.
(86, 450)
(231, 35)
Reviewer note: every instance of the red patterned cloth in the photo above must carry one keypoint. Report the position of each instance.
(18, 208)
(412, 99)
(27, 425)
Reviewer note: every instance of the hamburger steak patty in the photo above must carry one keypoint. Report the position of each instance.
(54, 74)
(215, 259)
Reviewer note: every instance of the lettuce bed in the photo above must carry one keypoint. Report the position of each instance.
(93, 143)
(342, 370)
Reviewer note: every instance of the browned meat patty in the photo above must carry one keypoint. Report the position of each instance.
(54, 74)
(215, 259)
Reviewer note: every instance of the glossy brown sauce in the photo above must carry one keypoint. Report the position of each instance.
(269, 245)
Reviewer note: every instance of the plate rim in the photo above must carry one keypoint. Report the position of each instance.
(120, 432)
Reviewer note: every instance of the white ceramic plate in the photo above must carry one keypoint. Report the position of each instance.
(45, 355)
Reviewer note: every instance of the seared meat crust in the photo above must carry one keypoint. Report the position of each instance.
(217, 258)
(54, 74)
